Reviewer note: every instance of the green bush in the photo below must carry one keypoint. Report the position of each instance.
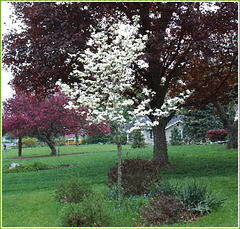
(138, 176)
(193, 194)
(92, 211)
(176, 138)
(98, 139)
(138, 139)
(30, 142)
(37, 166)
(73, 190)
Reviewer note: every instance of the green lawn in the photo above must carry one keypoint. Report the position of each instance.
(28, 198)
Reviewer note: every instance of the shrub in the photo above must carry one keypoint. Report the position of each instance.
(216, 135)
(176, 137)
(91, 212)
(164, 210)
(138, 139)
(192, 194)
(73, 190)
(96, 139)
(138, 176)
(37, 166)
(30, 142)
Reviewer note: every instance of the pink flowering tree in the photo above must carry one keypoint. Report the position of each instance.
(45, 119)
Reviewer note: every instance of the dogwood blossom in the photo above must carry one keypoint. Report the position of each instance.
(108, 76)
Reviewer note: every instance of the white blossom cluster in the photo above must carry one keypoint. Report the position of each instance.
(108, 75)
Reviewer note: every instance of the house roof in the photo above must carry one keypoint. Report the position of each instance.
(173, 121)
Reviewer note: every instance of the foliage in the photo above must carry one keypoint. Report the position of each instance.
(73, 190)
(107, 76)
(176, 137)
(138, 139)
(138, 176)
(30, 142)
(122, 139)
(186, 58)
(197, 122)
(90, 212)
(192, 194)
(36, 166)
(216, 135)
(45, 119)
(96, 139)
(165, 210)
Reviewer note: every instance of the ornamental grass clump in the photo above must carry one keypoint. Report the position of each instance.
(193, 194)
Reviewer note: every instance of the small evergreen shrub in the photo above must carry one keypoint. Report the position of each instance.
(91, 212)
(138, 176)
(73, 190)
(176, 137)
(30, 142)
(216, 135)
(138, 139)
(165, 210)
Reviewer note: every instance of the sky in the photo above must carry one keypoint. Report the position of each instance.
(7, 92)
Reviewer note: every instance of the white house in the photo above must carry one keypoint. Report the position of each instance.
(175, 121)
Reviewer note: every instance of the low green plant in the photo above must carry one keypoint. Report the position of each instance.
(92, 211)
(30, 142)
(130, 202)
(73, 189)
(193, 194)
(36, 166)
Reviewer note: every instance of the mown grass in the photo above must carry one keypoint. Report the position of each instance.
(28, 199)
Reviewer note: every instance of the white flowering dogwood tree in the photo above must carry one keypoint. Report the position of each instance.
(107, 76)
(107, 85)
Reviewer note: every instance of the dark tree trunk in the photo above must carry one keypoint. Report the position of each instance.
(52, 145)
(227, 116)
(232, 136)
(160, 152)
(19, 146)
(76, 138)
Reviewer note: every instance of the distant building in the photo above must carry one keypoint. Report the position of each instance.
(175, 121)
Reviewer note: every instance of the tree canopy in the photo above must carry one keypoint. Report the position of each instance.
(191, 48)
(46, 119)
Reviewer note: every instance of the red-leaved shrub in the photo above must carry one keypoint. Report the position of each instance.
(138, 176)
(216, 135)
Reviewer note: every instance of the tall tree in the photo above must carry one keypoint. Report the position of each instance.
(15, 124)
(190, 47)
(107, 76)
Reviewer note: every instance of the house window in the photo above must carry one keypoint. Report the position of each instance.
(151, 134)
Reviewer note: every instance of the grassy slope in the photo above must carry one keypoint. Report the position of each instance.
(28, 198)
